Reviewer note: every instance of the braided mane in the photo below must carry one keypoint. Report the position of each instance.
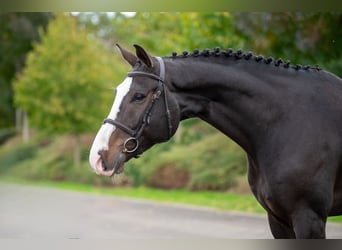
(239, 54)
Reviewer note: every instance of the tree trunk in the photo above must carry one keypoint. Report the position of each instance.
(77, 150)
(18, 119)
(25, 128)
(22, 124)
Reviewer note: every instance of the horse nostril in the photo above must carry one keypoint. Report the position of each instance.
(104, 167)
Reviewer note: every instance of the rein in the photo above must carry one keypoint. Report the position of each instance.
(136, 134)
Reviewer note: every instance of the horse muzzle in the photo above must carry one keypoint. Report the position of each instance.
(111, 167)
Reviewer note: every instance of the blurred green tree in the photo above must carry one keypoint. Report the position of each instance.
(305, 38)
(163, 33)
(67, 78)
(17, 32)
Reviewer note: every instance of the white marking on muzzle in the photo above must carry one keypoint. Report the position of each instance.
(103, 135)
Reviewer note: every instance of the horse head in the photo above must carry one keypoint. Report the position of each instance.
(144, 113)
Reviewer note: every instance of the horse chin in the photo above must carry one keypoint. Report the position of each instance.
(118, 166)
(120, 169)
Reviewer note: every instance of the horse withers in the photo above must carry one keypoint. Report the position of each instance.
(287, 118)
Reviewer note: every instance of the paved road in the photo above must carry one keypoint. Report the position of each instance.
(34, 213)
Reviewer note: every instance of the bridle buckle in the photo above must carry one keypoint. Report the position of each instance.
(130, 149)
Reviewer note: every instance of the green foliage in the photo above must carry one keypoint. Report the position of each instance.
(17, 31)
(10, 158)
(66, 80)
(211, 163)
(304, 38)
(163, 33)
(180, 31)
(43, 159)
(6, 133)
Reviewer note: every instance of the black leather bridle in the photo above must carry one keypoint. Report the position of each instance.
(132, 143)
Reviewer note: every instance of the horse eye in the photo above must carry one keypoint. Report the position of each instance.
(138, 97)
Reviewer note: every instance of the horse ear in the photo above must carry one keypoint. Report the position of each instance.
(143, 56)
(128, 56)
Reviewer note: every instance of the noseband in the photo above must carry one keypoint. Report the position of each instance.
(136, 134)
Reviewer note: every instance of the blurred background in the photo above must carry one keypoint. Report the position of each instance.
(58, 72)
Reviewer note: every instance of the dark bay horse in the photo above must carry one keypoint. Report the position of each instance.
(287, 118)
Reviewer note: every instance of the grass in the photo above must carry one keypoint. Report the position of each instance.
(217, 200)
(222, 201)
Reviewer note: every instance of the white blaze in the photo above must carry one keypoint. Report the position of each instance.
(102, 137)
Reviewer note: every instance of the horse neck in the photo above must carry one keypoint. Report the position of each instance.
(231, 96)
